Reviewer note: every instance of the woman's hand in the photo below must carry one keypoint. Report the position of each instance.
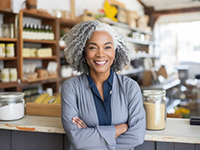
(120, 129)
(77, 121)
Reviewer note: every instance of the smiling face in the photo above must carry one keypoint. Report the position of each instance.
(100, 53)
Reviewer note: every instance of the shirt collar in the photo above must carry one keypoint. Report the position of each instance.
(109, 80)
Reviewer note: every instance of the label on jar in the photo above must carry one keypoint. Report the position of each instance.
(2, 52)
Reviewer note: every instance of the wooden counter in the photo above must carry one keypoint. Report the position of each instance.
(177, 130)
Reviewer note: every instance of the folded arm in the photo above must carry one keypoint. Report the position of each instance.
(134, 136)
(85, 137)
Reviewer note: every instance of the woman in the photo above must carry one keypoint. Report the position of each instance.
(100, 109)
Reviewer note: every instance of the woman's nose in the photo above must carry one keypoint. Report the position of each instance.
(101, 52)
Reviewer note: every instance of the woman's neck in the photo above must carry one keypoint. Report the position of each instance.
(99, 78)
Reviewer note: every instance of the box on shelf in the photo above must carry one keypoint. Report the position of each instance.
(132, 16)
(142, 22)
(147, 78)
(40, 109)
(42, 73)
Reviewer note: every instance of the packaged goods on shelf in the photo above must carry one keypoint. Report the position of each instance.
(44, 52)
(26, 52)
(37, 32)
(5, 75)
(42, 73)
(143, 22)
(33, 52)
(9, 75)
(132, 16)
(52, 68)
(13, 74)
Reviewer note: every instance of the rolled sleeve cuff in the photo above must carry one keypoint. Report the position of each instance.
(108, 133)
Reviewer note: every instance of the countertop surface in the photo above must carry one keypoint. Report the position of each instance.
(177, 130)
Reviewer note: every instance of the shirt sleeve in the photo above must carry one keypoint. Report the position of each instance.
(96, 137)
(136, 120)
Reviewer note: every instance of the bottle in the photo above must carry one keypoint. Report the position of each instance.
(155, 106)
(11, 30)
(5, 75)
(24, 32)
(10, 52)
(2, 50)
(43, 33)
(47, 34)
(51, 34)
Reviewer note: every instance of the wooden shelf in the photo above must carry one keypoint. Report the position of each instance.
(4, 85)
(8, 39)
(67, 22)
(41, 41)
(52, 57)
(37, 15)
(42, 80)
(5, 11)
(8, 58)
(132, 71)
(122, 25)
(140, 42)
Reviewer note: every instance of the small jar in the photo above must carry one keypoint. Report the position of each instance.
(155, 106)
(2, 50)
(5, 75)
(11, 105)
(13, 74)
(5, 30)
(10, 52)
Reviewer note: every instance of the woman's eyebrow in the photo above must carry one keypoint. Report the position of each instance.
(108, 43)
(92, 44)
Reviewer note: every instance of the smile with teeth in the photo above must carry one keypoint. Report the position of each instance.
(101, 62)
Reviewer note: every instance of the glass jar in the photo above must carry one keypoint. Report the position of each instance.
(13, 74)
(2, 50)
(5, 75)
(11, 105)
(155, 106)
(10, 52)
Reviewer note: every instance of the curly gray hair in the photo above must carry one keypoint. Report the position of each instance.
(77, 37)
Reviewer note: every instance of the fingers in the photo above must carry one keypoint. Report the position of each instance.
(80, 123)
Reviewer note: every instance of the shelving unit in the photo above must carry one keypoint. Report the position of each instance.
(10, 62)
(65, 23)
(53, 44)
(18, 60)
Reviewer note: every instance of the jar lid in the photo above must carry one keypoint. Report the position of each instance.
(2, 45)
(11, 94)
(10, 45)
(154, 93)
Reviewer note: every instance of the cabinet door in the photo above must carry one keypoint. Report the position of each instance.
(164, 146)
(184, 146)
(197, 146)
(5, 139)
(147, 145)
(22, 140)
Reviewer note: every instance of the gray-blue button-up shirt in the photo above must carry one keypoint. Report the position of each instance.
(126, 107)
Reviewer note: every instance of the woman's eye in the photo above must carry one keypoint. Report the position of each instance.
(108, 47)
(92, 47)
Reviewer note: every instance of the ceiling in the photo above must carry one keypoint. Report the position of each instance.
(171, 4)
